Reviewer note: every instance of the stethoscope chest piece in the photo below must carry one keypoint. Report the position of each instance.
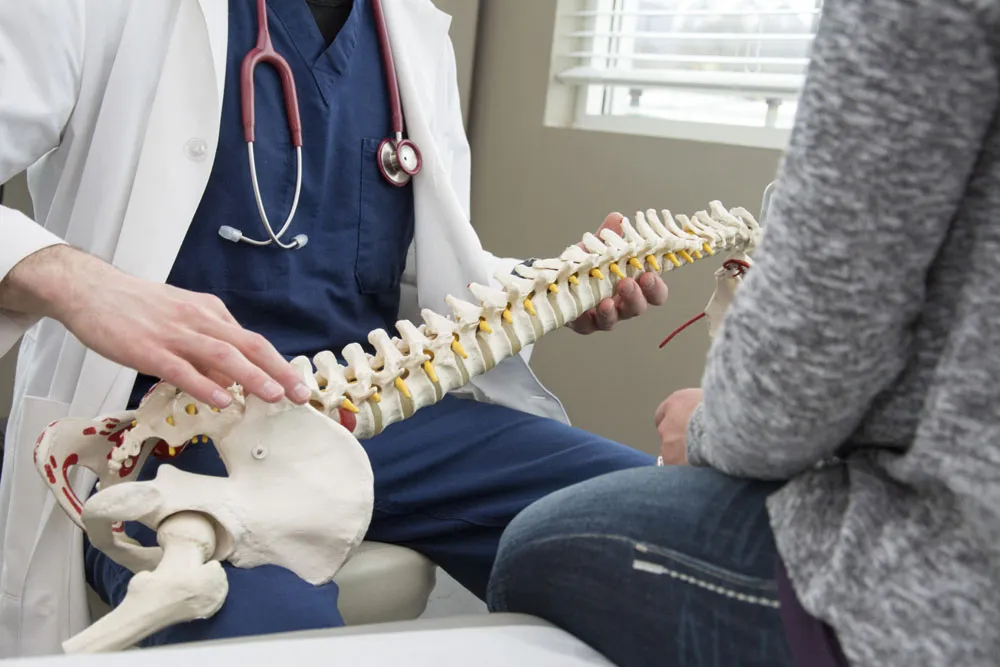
(399, 160)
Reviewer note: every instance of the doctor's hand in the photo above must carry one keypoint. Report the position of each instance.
(631, 298)
(189, 340)
(672, 419)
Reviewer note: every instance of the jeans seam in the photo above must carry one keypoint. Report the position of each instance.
(759, 585)
(706, 567)
(657, 569)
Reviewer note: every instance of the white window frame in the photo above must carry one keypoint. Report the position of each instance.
(570, 83)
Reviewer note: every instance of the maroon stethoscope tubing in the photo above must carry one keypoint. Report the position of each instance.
(264, 52)
(392, 85)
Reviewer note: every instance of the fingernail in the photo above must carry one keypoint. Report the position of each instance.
(221, 399)
(647, 280)
(301, 392)
(271, 389)
(627, 288)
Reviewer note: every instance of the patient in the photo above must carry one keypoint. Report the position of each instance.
(832, 492)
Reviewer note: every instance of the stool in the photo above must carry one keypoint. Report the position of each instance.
(384, 582)
(378, 584)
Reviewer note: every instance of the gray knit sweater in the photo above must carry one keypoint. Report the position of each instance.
(861, 357)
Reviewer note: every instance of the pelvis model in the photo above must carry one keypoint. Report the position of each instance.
(299, 490)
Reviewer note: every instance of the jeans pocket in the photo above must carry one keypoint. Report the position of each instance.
(385, 226)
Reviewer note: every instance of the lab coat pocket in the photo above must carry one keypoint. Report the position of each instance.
(385, 226)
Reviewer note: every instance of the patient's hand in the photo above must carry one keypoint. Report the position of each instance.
(632, 297)
(672, 419)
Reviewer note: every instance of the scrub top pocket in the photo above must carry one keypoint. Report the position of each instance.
(385, 229)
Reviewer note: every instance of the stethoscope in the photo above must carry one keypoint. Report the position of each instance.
(398, 158)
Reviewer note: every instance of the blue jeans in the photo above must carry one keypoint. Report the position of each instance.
(447, 482)
(672, 567)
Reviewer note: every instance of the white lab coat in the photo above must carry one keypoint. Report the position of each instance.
(114, 105)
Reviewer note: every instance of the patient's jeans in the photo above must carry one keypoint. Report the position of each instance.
(671, 567)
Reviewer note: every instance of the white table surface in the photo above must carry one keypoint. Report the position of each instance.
(501, 641)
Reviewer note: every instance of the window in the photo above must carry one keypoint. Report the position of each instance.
(716, 70)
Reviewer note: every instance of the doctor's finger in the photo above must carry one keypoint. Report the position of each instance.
(183, 375)
(630, 301)
(259, 351)
(219, 378)
(653, 288)
(255, 353)
(217, 307)
(606, 316)
(585, 324)
(238, 358)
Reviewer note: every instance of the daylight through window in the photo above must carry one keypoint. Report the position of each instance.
(730, 63)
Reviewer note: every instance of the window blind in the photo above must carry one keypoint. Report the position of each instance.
(647, 54)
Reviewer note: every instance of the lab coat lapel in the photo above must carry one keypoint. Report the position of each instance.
(443, 237)
(216, 16)
(180, 143)
(173, 169)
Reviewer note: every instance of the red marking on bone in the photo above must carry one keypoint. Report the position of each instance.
(162, 450)
(737, 266)
(38, 444)
(72, 500)
(118, 438)
(128, 465)
(49, 474)
(118, 527)
(102, 433)
(70, 461)
(52, 462)
(347, 419)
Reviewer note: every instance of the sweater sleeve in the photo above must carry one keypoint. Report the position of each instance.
(897, 101)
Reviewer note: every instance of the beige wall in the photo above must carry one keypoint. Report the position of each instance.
(537, 189)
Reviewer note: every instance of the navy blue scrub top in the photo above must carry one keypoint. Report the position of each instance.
(345, 281)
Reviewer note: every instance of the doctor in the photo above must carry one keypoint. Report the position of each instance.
(128, 117)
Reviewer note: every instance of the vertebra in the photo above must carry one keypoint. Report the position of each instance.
(425, 362)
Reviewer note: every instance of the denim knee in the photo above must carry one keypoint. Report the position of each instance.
(654, 566)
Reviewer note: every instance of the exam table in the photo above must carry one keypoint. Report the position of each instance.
(483, 640)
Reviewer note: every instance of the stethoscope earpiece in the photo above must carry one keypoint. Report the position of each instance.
(235, 235)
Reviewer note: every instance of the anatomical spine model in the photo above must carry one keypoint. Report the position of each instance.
(299, 490)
